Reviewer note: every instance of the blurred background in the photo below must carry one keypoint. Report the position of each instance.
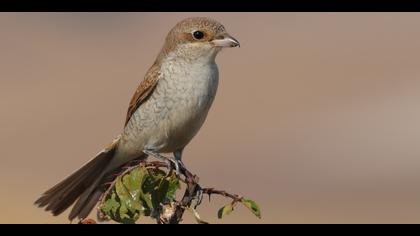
(316, 117)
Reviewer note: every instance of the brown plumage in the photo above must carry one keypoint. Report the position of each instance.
(176, 36)
(82, 182)
(143, 91)
(147, 126)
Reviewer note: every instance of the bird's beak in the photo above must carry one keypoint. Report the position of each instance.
(225, 40)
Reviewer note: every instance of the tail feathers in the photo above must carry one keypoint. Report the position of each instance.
(81, 183)
(88, 199)
(91, 196)
(83, 208)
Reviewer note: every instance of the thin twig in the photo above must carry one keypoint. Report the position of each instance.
(210, 191)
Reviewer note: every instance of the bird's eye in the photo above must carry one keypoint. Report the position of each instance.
(198, 34)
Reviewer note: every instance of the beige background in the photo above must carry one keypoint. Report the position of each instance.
(316, 118)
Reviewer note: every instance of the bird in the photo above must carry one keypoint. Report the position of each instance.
(166, 111)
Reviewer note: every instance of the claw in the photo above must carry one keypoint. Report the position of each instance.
(169, 162)
(170, 168)
(199, 196)
(177, 172)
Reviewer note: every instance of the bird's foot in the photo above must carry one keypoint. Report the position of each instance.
(169, 161)
(199, 196)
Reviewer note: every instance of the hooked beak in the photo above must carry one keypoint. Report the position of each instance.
(225, 40)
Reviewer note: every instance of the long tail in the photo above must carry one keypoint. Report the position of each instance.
(84, 184)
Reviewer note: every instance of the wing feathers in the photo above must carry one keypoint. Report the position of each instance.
(144, 90)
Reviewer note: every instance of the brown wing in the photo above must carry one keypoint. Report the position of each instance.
(143, 91)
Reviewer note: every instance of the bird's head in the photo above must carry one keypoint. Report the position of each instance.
(197, 38)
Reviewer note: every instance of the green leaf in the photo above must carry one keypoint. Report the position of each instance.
(173, 187)
(110, 206)
(252, 206)
(123, 212)
(140, 192)
(144, 197)
(146, 200)
(150, 181)
(226, 210)
(158, 196)
(156, 174)
(155, 189)
(133, 181)
(127, 202)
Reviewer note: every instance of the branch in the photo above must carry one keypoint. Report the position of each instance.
(172, 213)
(210, 191)
(126, 169)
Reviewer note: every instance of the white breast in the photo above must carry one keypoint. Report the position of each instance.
(189, 90)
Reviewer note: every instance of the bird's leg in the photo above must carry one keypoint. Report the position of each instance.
(199, 196)
(169, 161)
(199, 191)
(178, 157)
